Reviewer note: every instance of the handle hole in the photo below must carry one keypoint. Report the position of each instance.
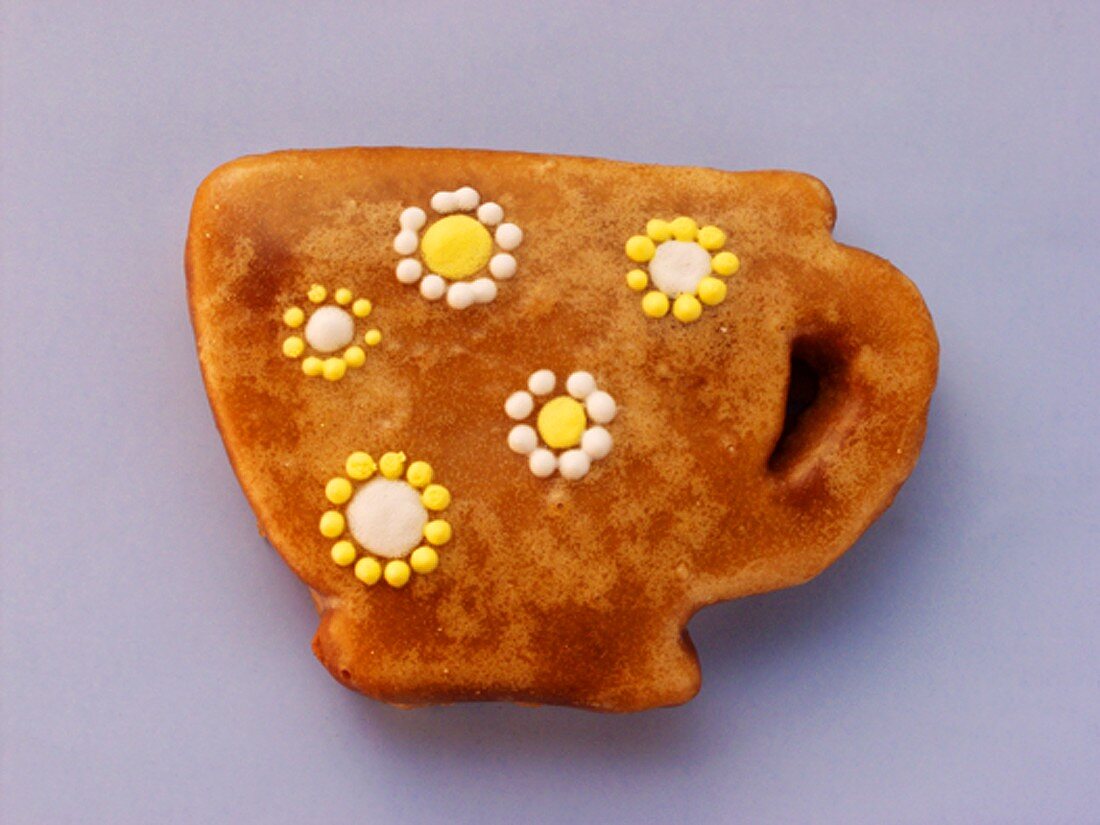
(814, 377)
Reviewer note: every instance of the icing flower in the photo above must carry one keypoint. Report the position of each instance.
(325, 329)
(680, 263)
(569, 423)
(384, 518)
(464, 252)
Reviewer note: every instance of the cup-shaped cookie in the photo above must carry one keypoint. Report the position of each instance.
(514, 418)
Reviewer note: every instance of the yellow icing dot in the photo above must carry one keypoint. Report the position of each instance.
(293, 346)
(712, 291)
(456, 246)
(343, 296)
(687, 308)
(312, 365)
(338, 490)
(725, 263)
(392, 465)
(438, 531)
(334, 368)
(361, 308)
(317, 293)
(561, 422)
(658, 230)
(424, 559)
(637, 280)
(343, 553)
(684, 229)
(355, 357)
(294, 317)
(640, 249)
(368, 570)
(332, 524)
(397, 573)
(360, 466)
(372, 337)
(655, 304)
(419, 474)
(711, 238)
(435, 497)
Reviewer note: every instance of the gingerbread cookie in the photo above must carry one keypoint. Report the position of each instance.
(514, 418)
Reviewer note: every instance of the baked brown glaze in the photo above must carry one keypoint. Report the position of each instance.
(555, 591)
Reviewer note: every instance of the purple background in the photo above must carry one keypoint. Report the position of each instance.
(155, 662)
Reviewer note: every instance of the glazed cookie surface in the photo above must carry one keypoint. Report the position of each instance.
(514, 418)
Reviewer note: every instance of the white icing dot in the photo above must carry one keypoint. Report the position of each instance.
(386, 517)
(509, 236)
(413, 218)
(329, 328)
(406, 242)
(580, 385)
(485, 290)
(409, 270)
(502, 266)
(460, 295)
(542, 463)
(574, 464)
(601, 407)
(523, 440)
(433, 287)
(490, 213)
(467, 198)
(444, 202)
(678, 267)
(541, 382)
(596, 442)
(519, 405)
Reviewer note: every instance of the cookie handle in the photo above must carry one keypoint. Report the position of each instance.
(863, 362)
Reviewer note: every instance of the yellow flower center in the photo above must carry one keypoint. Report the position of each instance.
(561, 422)
(457, 247)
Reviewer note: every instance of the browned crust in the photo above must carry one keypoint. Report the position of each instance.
(568, 593)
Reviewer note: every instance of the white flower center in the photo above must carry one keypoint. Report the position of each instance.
(329, 329)
(678, 267)
(387, 518)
